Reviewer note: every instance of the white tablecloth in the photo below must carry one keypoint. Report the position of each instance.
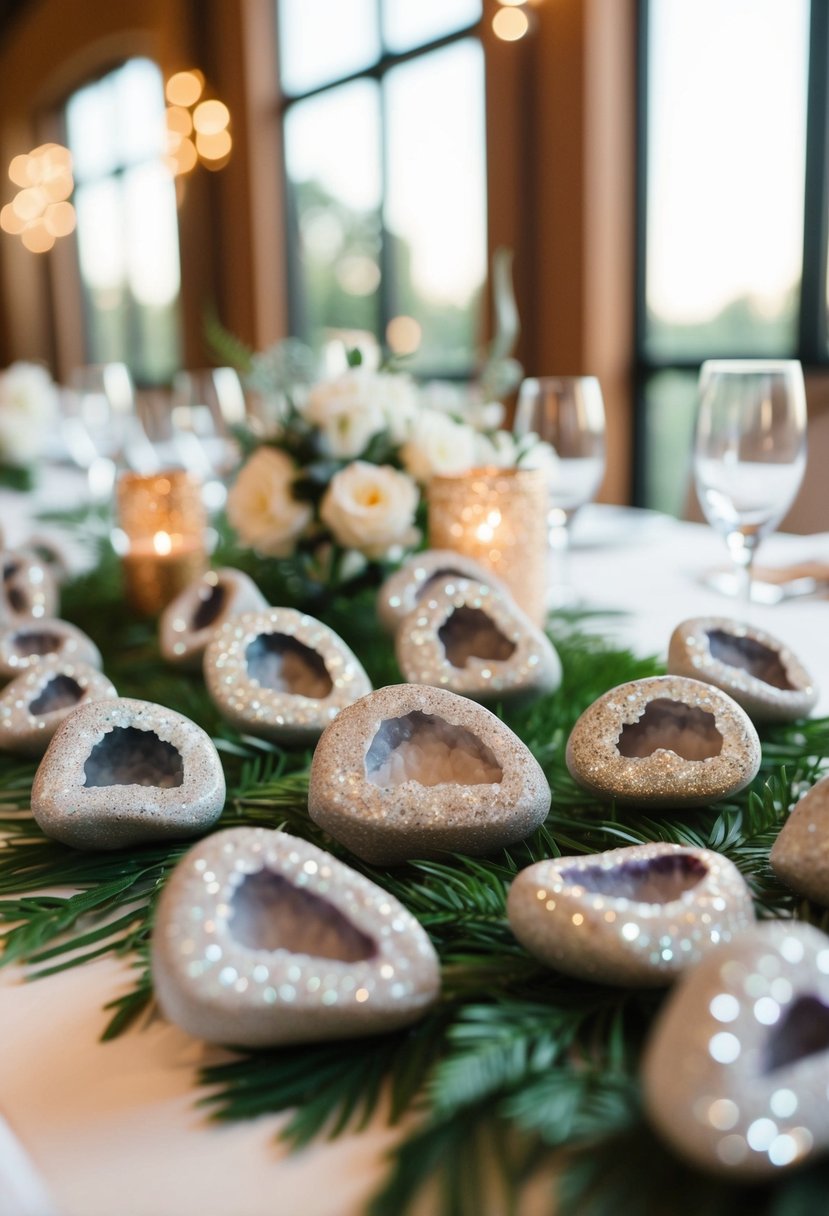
(114, 1129)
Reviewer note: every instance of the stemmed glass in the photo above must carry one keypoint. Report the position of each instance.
(101, 428)
(206, 405)
(568, 413)
(750, 451)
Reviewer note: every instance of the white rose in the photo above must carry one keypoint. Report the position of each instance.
(497, 449)
(371, 508)
(437, 444)
(354, 407)
(28, 407)
(261, 508)
(542, 455)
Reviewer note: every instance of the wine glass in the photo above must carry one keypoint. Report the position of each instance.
(750, 451)
(568, 413)
(101, 428)
(206, 405)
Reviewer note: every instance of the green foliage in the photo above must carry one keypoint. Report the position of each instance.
(517, 1068)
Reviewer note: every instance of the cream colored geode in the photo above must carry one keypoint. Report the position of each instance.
(122, 772)
(28, 643)
(28, 589)
(800, 854)
(474, 641)
(736, 1070)
(638, 915)
(760, 672)
(289, 946)
(189, 622)
(414, 771)
(281, 674)
(663, 742)
(35, 703)
(402, 591)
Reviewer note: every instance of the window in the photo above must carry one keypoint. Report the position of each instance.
(385, 164)
(127, 227)
(732, 206)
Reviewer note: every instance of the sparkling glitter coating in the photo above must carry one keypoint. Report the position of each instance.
(663, 778)
(800, 855)
(598, 930)
(221, 990)
(181, 643)
(66, 641)
(531, 670)
(689, 654)
(115, 816)
(28, 733)
(400, 593)
(390, 825)
(730, 1079)
(28, 588)
(271, 713)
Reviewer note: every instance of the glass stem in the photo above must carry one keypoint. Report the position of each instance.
(561, 590)
(742, 549)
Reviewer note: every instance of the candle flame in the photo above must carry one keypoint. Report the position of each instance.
(162, 543)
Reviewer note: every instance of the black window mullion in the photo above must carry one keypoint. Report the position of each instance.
(812, 335)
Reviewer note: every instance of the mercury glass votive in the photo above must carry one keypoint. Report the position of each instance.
(161, 536)
(499, 518)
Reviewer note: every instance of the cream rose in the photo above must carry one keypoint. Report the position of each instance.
(348, 411)
(261, 507)
(437, 444)
(371, 508)
(28, 407)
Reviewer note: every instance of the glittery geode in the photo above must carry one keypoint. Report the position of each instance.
(414, 771)
(28, 643)
(253, 662)
(638, 915)
(760, 672)
(736, 1070)
(662, 742)
(474, 641)
(121, 772)
(261, 938)
(35, 703)
(28, 590)
(189, 622)
(401, 593)
(800, 854)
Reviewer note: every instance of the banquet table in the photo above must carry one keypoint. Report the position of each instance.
(114, 1129)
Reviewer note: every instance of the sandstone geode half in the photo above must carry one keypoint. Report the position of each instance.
(402, 591)
(800, 854)
(35, 703)
(28, 589)
(27, 643)
(189, 622)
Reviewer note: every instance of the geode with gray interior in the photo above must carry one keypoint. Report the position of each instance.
(638, 915)
(281, 675)
(663, 742)
(35, 703)
(423, 572)
(122, 772)
(736, 1070)
(800, 854)
(28, 588)
(760, 672)
(27, 643)
(189, 622)
(261, 938)
(414, 771)
(474, 641)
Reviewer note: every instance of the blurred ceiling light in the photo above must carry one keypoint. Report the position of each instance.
(403, 335)
(211, 117)
(40, 213)
(510, 24)
(512, 3)
(184, 88)
(179, 120)
(187, 114)
(213, 148)
(358, 275)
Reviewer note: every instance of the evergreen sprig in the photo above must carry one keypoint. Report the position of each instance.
(519, 1078)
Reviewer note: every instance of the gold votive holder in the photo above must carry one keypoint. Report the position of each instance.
(499, 518)
(162, 534)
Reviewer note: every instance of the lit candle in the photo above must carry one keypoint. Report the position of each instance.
(498, 517)
(162, 536)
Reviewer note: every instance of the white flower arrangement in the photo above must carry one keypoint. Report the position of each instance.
(28, 409)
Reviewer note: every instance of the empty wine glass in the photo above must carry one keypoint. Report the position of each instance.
(206, 405)
(750, 451)
(568, 413)
(101, 428)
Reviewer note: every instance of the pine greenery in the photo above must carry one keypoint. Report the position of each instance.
(521, 1080)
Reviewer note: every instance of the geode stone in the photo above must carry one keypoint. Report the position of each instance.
(189, 622)
(122, 772)
(736, 1070)
(33, 706)
(28, 590)
(472, 640)
(26, 644)
(413, 771)
(421, 573)
(662, 742)
(637, 915)
(800, 854)
(281, 675)
(757, 670)
(261, 938)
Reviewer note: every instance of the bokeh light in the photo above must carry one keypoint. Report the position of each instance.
(510, 24)
(184, 88)
(40, 212)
